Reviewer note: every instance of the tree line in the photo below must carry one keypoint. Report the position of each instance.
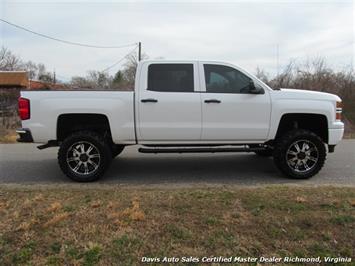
(311, 74)
(122, 80)
(11, 62)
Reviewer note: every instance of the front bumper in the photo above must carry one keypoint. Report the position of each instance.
(335, 135)
(24, 135)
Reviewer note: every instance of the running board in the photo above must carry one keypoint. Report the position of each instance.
(51, 143)
(197, 150)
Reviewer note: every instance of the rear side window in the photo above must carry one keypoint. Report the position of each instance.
(171, 77)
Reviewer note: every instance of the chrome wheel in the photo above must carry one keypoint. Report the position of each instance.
(83, 158)
(302, 156)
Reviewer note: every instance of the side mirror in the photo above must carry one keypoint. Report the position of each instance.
(255, 89)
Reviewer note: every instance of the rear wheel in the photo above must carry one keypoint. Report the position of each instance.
(84, 156)
(299, 154)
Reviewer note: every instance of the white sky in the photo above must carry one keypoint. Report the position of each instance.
(241, 32)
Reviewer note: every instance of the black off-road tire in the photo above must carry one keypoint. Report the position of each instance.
(283, 144)
(88, 137)
(116, 150)
(264, 153)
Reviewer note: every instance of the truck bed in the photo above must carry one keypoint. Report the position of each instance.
(47, 106)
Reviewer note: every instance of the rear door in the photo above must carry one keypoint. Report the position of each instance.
(169, 105)
(229, 111)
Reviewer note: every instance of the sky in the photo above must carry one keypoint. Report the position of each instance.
(246, 33)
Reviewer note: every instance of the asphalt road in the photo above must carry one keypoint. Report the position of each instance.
(24, 163)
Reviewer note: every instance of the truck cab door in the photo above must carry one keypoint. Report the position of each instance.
(233, 110)
(167, 105)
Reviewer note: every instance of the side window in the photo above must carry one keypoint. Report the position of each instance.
(171, 77)
(225, 79)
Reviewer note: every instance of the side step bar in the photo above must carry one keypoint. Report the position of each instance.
(198, 150)
(51, 143)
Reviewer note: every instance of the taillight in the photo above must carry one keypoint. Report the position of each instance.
(24, 108)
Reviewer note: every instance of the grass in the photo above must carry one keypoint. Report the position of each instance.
(110, 226)
(8, 136)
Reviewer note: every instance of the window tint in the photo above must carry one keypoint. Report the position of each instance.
(171, 77)
(225, 79)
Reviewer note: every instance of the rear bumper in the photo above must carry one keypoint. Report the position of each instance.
(24, 135)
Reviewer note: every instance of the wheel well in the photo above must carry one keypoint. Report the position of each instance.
(316, 123)
(70, 123)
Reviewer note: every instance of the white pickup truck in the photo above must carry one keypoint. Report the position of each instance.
(184, 106)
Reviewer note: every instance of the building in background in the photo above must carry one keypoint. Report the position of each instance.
(14, 79)
(18, 80)
(41, 85)
(11, 83)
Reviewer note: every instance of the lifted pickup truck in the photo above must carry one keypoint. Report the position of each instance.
(184, 106)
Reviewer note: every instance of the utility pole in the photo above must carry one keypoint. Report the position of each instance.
(139, 51)
(54, 77)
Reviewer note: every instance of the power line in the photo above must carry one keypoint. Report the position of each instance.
(64, 41)
(119, 61)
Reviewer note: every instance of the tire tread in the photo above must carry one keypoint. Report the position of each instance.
(102, 146)
(282, 145)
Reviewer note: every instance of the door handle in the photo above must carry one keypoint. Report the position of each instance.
(149, 100)
(212, 101)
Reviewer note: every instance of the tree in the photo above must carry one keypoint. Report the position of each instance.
(93, 80)
(130, 68)
(118, 78)
(262, 75)
(9, 61)
(31, 69)
(43, 74)
(12, 62)
(99, 79)
(79, 82)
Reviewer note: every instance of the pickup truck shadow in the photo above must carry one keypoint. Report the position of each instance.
(212, 168)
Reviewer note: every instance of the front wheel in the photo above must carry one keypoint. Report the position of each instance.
(299, 154)
(84, 156)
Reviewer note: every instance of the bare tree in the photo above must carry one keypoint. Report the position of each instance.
(93, 80)
(9, 61)
(262, 75)
(130, 68)
(12, 62)
(31, 68)
(80, 82)
(284, 79)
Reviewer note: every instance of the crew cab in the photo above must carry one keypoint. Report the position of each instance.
(184, 106)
